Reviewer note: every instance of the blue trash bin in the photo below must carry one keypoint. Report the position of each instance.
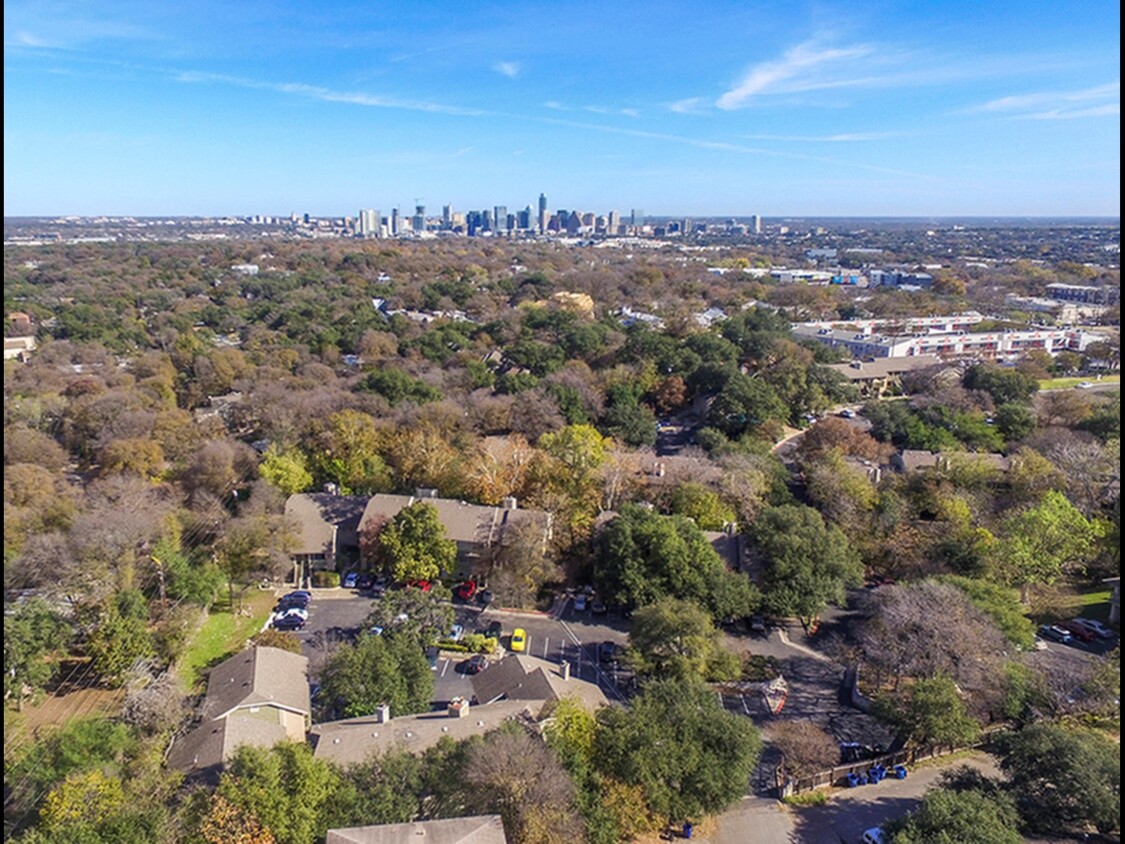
(688, 829)
(900, 771)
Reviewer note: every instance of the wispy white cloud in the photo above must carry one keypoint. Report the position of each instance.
(1098, 101)
(726, 146)
(806, 67)
(27, 39)
(316, 92)
(606, 110)
(509, 69)
(691, 105)
(842, 138)
(555, 105)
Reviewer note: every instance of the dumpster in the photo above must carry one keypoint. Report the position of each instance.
(688, 829)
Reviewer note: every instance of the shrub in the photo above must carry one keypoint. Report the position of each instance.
(325, 579)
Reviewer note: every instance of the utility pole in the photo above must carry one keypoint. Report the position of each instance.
(160, 577)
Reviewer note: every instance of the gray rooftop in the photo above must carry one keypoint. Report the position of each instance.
(352, 740)
(214, 742)
(256, 677)
(528, 678)
(479, 829)
(324, 521)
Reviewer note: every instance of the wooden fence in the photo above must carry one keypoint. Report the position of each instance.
(906, 757)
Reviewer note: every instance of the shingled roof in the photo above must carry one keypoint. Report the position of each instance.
(214, 742)
(257, 677)
(521, 677)
(324, 522)
(479, 829)
(352, 740)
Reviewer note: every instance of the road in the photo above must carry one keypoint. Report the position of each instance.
(842, 819)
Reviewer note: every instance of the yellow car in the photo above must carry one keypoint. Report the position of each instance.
(519, 639)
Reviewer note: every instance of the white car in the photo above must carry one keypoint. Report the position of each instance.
(1096, 627)
(297, 611)
(1084, 385)
(456, 632)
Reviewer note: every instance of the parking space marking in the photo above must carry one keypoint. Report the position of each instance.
(546, 645)
(444, 667)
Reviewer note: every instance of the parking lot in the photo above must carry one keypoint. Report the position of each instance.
(338, 615)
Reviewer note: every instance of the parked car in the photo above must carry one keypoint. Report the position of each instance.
(351, 580)
(1055, 633)
(1079, 630)
(456, 632)
(609, 651)
(476, 664)
(847, 413)
(486, 597)
(493, 630)
(1099, 629)
(1084, 385)
(466, 590)
(366, 581)
(580, 602)
(873, 836)
(300, 612)
(597, 606)
(379, 586)
(519, 640)
(432, 657)
(757, 624)
(289, 602)
(424, 585)
(288, 622)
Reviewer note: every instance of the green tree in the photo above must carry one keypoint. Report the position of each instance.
(413, 545)
(744, 404)
(346, 450)
(34, 637)
(284, 788)
(930, 712)
(117, 642)
(676, 639)
(702, 505)
(809, 564)
(1014, 421)
(424, 615)
(699, 766)
(285, 469)
(389, 669)
(581, 448)
(1064, 778)
(642, 556)
(85, 798)
(1043, 540)
(396, 387)
(1004, 385)
(958, 817)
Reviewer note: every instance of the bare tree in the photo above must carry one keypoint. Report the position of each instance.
(520, 778)
(807, 748)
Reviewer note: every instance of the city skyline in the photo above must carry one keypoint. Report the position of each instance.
(738, 110)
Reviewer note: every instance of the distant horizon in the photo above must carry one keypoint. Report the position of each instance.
(648, 216)
(868, 109)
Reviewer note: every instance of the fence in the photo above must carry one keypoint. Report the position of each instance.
(902, 757)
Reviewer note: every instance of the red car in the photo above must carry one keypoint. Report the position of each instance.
(1079, 630)
(424, 585)
(466, 590)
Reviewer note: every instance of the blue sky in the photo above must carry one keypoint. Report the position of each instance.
(718, 108)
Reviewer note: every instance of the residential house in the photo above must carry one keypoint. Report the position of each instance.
(910, 460)
(326, 530)
(478, 829)
(258, 697)
(521, 677)
(473, 527)
(876, 377)
(18, 348)
(352, 740)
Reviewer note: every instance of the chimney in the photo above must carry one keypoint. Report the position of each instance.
(332, 489)
(425, 492)
(564, 669)
(509, 503)
(458, 707)
(382, 713)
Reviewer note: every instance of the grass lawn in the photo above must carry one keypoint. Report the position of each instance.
(1059, 603)
(1062, 383)
(223, 633)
